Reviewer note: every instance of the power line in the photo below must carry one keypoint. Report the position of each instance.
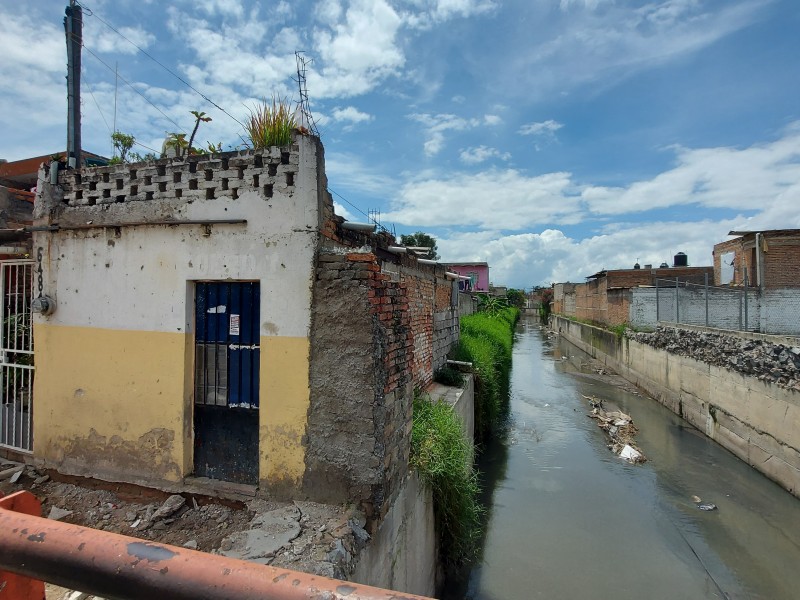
(100, 110)
(130, 85)
(370, 218)
(162, 65)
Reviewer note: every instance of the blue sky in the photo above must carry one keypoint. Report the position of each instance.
(550, 138)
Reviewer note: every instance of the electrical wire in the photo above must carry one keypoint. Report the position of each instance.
(100, 110)
(91, 13)
(130, 85)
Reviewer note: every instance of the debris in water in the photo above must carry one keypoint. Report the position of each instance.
(696, 499)
(631, 455)
(620, 429)
(708, 506)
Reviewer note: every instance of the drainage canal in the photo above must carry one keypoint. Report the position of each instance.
(569, 519)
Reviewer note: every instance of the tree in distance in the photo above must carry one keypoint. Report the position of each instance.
(421, 239)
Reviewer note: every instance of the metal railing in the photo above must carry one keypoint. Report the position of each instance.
(33, 549)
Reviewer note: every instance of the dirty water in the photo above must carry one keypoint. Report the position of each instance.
(569, 519)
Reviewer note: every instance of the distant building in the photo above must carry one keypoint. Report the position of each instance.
(768, 259)
(477, 272)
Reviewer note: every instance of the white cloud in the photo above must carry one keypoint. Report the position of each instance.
(493, 199)
(548, 127)
(340, 210)
(358, 49)
(752, 178)
(528, 259)
(473, 156)
(437, 125)
(492, 119)
(101, 39)
(433, 12)
(351, 115)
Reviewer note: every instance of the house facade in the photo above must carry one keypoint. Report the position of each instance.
(476, 274)
(215, 320)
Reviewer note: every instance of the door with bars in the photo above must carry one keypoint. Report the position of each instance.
(16, 355)
(226, 380)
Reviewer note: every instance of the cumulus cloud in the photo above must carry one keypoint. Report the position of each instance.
(437, 125)
(763, 177)
(358, 49)
(100, 38)
(493, 199)
(758, 176)
(528, 259)
(492, 119)
(350, 114)
(473, 156)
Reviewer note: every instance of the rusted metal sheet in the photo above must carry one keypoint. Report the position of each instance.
(120, 567)
(12, 585)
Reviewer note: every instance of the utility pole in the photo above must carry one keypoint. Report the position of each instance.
(73, 26)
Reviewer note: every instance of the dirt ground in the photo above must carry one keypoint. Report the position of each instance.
(314, 538)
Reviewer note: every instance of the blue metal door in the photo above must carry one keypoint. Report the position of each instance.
(227, 355)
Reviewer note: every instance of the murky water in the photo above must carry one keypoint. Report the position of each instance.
(568, 519)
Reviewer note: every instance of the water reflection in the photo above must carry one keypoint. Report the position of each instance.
(568, 519)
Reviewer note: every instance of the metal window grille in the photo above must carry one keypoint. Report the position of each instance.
(16, 355)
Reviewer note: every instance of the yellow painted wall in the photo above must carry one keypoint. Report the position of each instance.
(285, 399)
(111, 402)
(117, 404)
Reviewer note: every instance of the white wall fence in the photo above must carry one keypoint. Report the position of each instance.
(739, 308)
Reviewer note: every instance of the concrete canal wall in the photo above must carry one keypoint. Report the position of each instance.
(757, 420)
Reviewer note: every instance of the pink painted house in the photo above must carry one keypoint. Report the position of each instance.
(478, 273)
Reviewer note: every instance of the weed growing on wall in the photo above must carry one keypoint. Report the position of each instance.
(443, 458)
(486, 341)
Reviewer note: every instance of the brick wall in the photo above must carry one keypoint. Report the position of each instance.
(382, 325)
(358, 437)
(782, 261)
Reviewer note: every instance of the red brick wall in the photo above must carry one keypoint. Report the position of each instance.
(782, 262)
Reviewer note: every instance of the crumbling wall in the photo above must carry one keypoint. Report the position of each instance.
(358, 437)
(382, 324)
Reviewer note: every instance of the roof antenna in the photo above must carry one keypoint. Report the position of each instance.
(306, 118)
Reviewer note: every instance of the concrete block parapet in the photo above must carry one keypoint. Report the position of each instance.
(229, 174)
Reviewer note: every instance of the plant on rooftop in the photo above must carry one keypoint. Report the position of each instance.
(199, 117)
(123, 143)
(270, 125)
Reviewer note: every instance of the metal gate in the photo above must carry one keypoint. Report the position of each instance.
(227, 355)
(16, 354)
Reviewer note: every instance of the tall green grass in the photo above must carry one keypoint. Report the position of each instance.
(443, 458)
(270, 125)
(486, 342)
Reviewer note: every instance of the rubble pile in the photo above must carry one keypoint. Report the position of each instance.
(304, 536)
(776, 363)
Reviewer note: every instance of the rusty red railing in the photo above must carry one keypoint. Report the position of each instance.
(34, 549)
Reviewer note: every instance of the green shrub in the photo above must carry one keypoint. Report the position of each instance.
(486, 342)
(443, 458)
